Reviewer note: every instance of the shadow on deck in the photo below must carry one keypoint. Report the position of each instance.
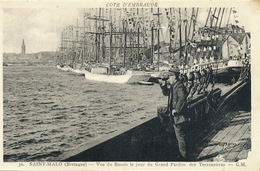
(229, 141)
(230, 138)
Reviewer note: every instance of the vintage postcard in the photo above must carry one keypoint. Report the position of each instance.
(133, 85)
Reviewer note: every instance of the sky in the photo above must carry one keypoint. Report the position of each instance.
(41, 28)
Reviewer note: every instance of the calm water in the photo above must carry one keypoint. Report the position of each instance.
(48, 112)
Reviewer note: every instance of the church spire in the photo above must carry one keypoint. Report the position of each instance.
(23, 48)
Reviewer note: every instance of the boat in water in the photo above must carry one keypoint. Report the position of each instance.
(62, 67)
(80, 72)
(146, 83)
(129, 77)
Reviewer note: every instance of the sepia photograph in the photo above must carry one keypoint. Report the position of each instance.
(126, 82)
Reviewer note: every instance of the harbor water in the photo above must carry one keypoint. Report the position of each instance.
(48, 112)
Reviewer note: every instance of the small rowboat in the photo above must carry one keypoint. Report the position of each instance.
(145, 83)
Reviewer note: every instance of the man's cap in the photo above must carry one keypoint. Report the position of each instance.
(167, 74)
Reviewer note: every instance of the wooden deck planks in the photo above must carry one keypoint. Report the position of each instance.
(232, 142)
(224, 144)
(214, 142)
(237, 145)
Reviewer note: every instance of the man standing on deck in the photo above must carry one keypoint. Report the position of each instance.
(177, 109)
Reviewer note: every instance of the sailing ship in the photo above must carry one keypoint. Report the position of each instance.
(63, 52)
(216, 47)
(70, 54)
(76, 57)
(109, 72)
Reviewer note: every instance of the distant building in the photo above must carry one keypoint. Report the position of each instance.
(235, 29)
(236, 44)
(232, 41)
(23, 48)
(231, 46)
(246, 45)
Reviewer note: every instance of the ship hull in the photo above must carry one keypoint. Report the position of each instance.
(64, 68)
(227, 74)
(129, 77)
(77, 71)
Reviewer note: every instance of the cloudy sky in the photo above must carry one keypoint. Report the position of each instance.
(41, 28)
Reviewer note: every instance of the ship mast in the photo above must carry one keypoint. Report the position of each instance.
(72, 45)
(152, 28)
(180, 41)
(217, 18)
(125, 34)
(103, 35)
(170, 34)
(192, 16)
(194, 23)
(207, 17)
(212, 17)
(99, 33)
(227, 26)
(138, 40)
(84, 38)
(110, 43)
(77, 41)
(229, 15)
(158, 33)
(185, 39)
(62, 48)
(221, 18)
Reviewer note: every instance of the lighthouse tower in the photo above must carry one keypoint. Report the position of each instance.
(23, 48)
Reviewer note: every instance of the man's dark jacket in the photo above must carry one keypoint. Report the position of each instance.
(177, 100)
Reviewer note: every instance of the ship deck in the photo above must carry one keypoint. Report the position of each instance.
(229, 140)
